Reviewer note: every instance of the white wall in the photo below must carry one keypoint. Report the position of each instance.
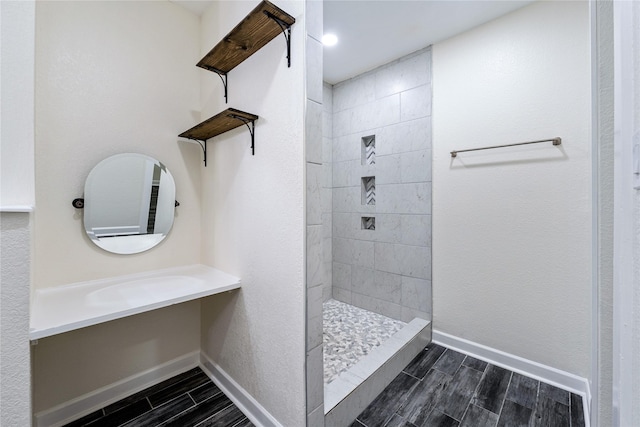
(512, 227)
(17, 26)
(15, 364)
(111, 77)
(253, 217)
(75, 363)
(636, 244)
(17, 133)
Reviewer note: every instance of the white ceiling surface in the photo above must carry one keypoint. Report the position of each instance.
(374, 32)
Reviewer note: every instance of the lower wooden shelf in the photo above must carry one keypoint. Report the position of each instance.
(220, 123)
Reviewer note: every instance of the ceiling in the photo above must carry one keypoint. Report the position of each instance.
(374, 32)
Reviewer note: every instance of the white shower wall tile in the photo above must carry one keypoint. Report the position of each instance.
(415, 230)
(413, 135)
(416, 293)
(412, 261)
(387, 286)
(341, 276)
(364, 118)
(364, 106)
(363, 253)
(313, 132)
(388, 228)
(376, 305)
(314, 200)
(408, 314)
(314, 25)
(361, 279)
(346, 147)
(354, 92)
(327, 221)
(415, 103)
(314, 69)
(327, 180)
(327, 196)
(346, 199)
(327, 148)
(412, 198)
(388, 169)
(343, 225)
(314, 332)
(377, 284)
(327, 97)
(346, 174)
(314, 255)
(327, 288)
(342, 295)
(415, 166)
(316, 417)
(351, 333)
(404, 74)
(315, 369)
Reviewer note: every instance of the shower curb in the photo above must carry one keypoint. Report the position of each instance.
(353, 390)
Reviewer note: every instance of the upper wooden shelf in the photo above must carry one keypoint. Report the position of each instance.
(258, 28)
(220, 123)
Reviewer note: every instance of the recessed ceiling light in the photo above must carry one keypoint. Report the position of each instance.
(329, 39)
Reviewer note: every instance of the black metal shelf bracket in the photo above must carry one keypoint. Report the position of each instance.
(286, 30)
(203, 145)
(223, 76)
(252, 129)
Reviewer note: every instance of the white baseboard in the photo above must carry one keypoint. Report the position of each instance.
(83, 405)
(547, 374)
(238, 395)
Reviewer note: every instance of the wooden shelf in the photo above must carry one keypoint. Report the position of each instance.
(220, 123)
(258, 28)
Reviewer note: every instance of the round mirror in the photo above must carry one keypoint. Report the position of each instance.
(129, 203)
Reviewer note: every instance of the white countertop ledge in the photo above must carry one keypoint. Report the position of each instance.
(66, 308)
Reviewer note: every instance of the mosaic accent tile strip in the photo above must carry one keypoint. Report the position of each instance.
(349, 333)
(369, 190)
(369, 150)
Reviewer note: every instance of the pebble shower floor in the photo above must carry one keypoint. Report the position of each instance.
(349, 333)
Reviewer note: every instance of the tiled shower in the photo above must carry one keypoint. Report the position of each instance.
(376, 206)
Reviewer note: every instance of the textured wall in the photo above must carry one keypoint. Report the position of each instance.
(386, 270)
(111, 77)
(512, 227)
(254, 217)
(636, 263)
(602, 348)
(16, 51)
(75, 363)
(15, 367)
(16, 189)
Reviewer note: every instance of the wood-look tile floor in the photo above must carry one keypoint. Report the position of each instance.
(439, 388)
(188, 399)
(442, 387)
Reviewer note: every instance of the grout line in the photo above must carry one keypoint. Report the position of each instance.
(216, 413)
(505, 395)
(412, 376)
